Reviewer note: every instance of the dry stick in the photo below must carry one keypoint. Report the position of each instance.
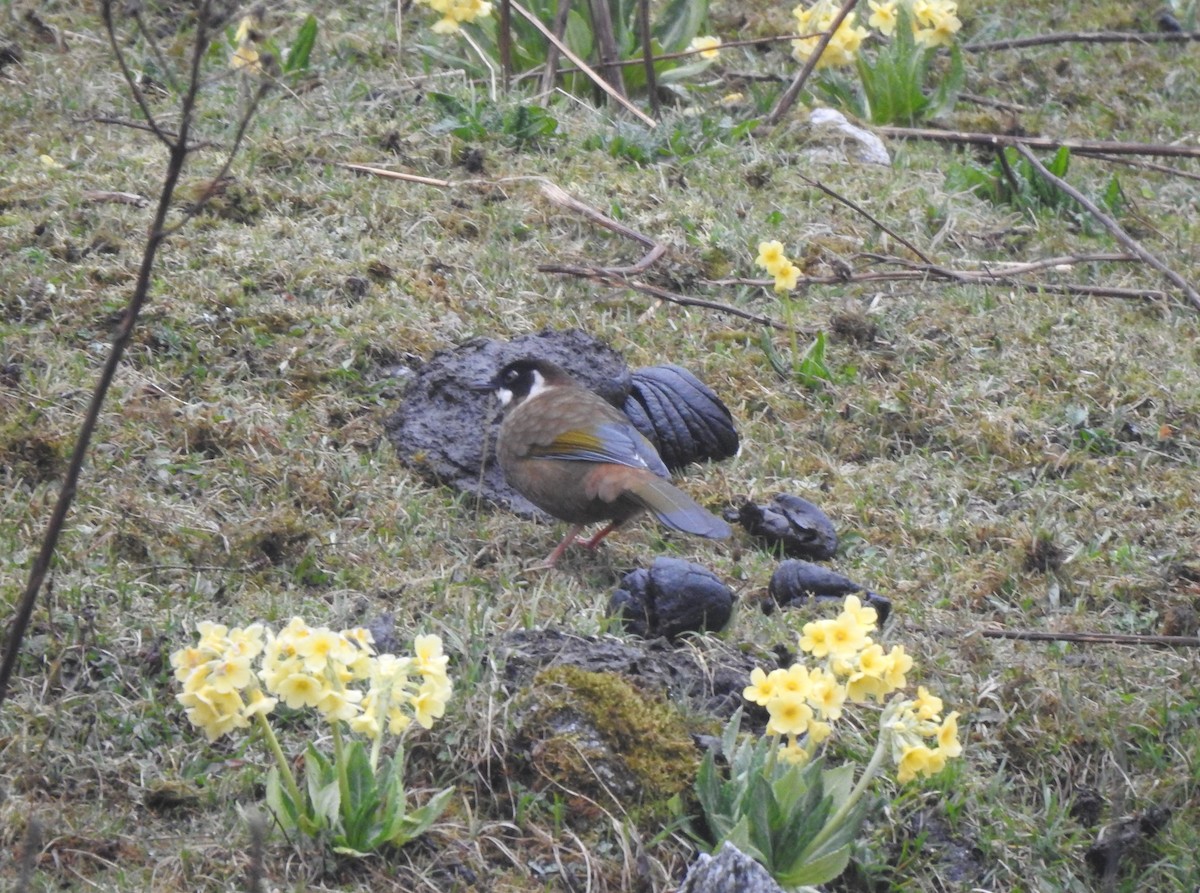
(1145, 165)
(1082, 147)
(549, 75)
(865, 213)
(1029, 635)
(564, 199)
(583, 66)
(605, 277)
(1013, 43)
(606, 44)
(788, 99)
(1112, 226)
(648, 57)
(177, 151)
(504, 25)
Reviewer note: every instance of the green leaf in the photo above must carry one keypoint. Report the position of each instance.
(679, 23)
(302, 46)
(816, 871)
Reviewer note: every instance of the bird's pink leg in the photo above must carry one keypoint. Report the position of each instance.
(571, 537)
(595, 540)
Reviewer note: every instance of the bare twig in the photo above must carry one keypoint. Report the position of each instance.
(564, 199)
(178, 148)
(648, 56)
(1013, 43)
(1112, 226)
(385, 173)
(606, 45)
(583, 66)
(606, 276)
(788, 99)
(1146, 165)
(1030, 635)
(854, 206)
(549, 73)
(1082, 147)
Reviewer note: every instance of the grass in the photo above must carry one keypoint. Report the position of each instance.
(240, 470)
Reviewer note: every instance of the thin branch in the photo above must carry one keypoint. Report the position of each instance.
(854, 206)
(1013, 43)
(1082, 147)
(549, 73)
(648, 57)
(1112, 226)
(1030, 635)
(1146, 165)
(788, 99)
(178, 150)
(139, 97)
(583, 66)
(605, 276)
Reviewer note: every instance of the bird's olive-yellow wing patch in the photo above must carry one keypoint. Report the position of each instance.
(614, 443)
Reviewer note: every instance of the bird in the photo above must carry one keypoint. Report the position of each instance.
(575, 456)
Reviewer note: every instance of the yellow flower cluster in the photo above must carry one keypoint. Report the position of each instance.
(454, 12)
(772, 259)
(308, 667)
(910, 722)
(803, 701)
(843, 46)
(934, 22)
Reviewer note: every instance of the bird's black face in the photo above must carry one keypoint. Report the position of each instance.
(518, 381)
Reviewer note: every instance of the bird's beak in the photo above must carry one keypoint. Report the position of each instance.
(482, 386)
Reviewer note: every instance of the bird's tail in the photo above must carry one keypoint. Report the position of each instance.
(676, 509)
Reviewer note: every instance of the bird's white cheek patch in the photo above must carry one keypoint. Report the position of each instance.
(504, 395)
(539, 385)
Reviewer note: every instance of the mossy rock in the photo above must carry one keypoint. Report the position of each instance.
(598, 734)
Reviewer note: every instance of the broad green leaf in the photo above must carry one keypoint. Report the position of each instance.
(816, 871)
(301, 49)
(679, 22)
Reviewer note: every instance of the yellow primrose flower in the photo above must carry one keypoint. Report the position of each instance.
(761, 687)
(947, 736)
(941, 34)
(926, 706)
(865, 615)
(818, 731)
(301, 690)
(427, 707)
(428, 658)
(229, 675)
(794, 680)
(918, 760)
(770, 256)
(790, 715)
(901, 663)
(827, 695)
(815, 638)
(213, 712)
(786, 277)
(846, 636)
(883, 16)
(794, 752)
(708, 46)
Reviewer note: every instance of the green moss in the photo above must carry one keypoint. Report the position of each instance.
(598, 733)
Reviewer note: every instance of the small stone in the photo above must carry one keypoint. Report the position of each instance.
(670, 598)
(795, 582)
(798, 526)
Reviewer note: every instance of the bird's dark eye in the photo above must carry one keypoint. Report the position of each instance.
(511, 377)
